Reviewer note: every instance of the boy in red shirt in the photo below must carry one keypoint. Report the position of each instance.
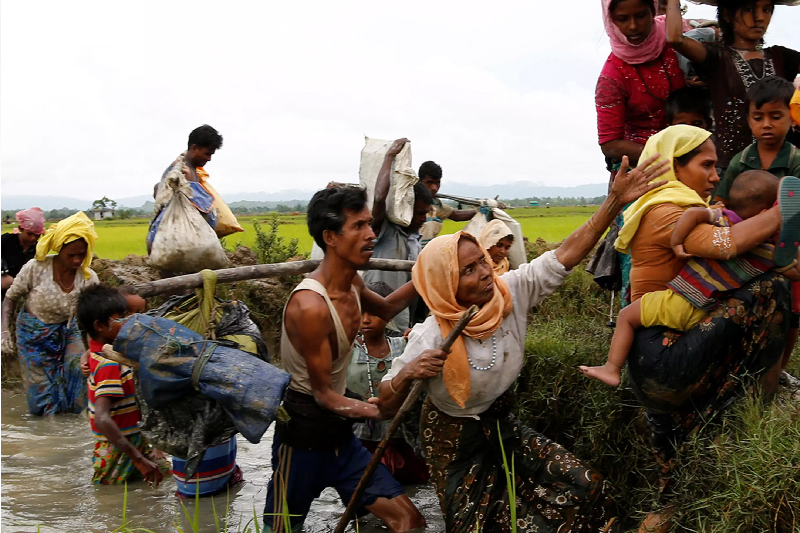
(120, 451)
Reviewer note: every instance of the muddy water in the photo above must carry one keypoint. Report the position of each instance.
(46, 483)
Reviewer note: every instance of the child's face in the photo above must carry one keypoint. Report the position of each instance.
(690, 119)
(107, 333)
(136, 304)
(770, 123)
(372, 325)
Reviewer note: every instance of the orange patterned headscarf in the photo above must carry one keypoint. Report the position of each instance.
(436, 275)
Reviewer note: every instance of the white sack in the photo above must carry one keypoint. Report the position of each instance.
(184, 241)
(400, 200)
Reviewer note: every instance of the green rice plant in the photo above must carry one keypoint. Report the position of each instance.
(511, 481)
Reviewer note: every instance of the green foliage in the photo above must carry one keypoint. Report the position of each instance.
(270, 247)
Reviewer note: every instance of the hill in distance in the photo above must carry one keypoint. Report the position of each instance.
(509, 191)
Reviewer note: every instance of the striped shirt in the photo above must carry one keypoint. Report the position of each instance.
(112, 379)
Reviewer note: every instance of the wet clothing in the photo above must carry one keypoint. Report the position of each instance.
(45, 298)
(302, 475)
(13, 256)
(786, 163)
(294, 363)
(214, 473)
(555, 490)
(50, 362)
(109, 378)
(630, 99)
(728, 77)
(684, 380)
(111, 466)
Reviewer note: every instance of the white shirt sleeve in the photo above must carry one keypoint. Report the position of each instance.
(424, 336)
(534, 281)
(23, 283)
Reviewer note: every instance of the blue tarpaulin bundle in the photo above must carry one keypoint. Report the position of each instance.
(175, 362)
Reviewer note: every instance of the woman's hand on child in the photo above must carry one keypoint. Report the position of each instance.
(680, 251)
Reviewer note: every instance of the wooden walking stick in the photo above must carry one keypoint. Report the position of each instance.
(413, 396)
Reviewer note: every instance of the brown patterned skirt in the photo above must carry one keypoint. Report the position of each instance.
(555, 492)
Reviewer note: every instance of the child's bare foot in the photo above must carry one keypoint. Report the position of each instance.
(608, 374)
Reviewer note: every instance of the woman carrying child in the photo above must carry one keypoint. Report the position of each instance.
(730, 68)
(373, 353)
(49, 342)
(683, 380)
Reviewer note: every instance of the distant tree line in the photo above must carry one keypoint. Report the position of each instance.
(556, 202)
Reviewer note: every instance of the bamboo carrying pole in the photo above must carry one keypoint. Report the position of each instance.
(229, 275)
(413, 396)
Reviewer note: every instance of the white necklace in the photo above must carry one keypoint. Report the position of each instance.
(494, 357)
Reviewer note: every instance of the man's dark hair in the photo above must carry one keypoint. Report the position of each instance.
(770, 89)
(727, 10)
(205, 137)
(649, 3)
(429, 169)
(421, 192)
(326, 210)
(99, 302)
(689, 100)
(380, 288)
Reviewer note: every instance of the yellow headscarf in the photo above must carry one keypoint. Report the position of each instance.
(672, 142)
(794, 107)
(436, 275)
(492, 233)
(78, 226)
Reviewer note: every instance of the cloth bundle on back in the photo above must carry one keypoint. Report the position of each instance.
(194, 392)
(400, 202)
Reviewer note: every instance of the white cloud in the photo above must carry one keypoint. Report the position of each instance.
(99, 97)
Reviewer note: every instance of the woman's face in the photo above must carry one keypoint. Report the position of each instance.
(27, 238)
(72, 255)
(700, 173)
(499, 251)
(476, 281)
(750, 22)
(634, 19)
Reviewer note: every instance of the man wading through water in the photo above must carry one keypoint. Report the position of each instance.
(316, 448)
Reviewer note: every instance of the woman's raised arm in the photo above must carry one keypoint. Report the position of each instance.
(627, 187)
(686, 46)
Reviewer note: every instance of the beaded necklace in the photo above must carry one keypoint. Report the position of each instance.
(647, 88)
(494, 358)
(363, 345)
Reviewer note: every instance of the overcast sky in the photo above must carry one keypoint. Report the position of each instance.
(97, 98)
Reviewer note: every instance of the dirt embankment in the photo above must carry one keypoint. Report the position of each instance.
(265, 297)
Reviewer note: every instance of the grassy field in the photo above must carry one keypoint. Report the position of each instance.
(119, 238)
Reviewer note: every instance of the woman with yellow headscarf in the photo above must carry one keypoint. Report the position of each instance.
(49, 343)
(468, 408)
(497, 239)
(682, 380)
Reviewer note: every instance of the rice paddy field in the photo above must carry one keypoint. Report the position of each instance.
(119, 238)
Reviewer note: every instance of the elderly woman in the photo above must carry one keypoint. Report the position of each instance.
(497, 239)
(19, 246)
(685, 379)
(467, 414)
(49, 342)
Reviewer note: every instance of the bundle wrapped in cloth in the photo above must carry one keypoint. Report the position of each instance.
(196, 392)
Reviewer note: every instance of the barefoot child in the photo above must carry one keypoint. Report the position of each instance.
(120, 451)
(692, 293)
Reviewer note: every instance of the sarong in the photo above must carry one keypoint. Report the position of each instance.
(686, 379)
(50, 362)
(111, 466)
(555, 491)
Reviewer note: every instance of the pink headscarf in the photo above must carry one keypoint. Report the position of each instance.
(31, 219)
(637, 54)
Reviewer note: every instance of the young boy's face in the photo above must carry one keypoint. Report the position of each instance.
(107, 333)
(770, 123)
(690, 119)
(432, 184)
(372, 325)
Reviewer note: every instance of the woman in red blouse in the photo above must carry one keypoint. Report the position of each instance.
(636, 79)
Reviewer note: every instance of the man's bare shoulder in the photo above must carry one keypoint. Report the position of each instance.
(307, 305)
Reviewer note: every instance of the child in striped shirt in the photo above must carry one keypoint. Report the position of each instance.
(696, 289)
(121, 453)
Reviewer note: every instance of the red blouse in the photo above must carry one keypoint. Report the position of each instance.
(630, 99)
